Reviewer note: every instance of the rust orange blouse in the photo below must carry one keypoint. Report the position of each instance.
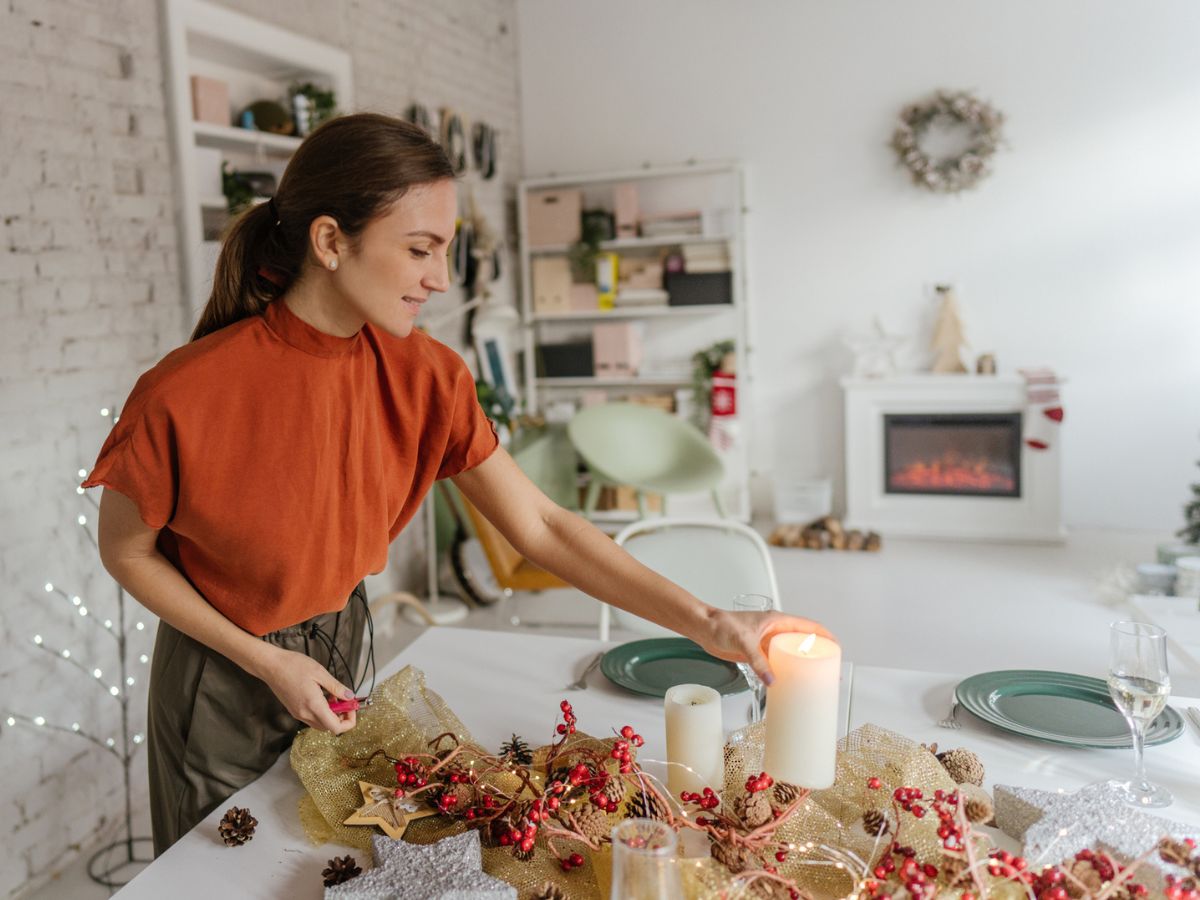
(279, 461)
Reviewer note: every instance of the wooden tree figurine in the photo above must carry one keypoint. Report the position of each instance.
(1190, 532)
(947, 334)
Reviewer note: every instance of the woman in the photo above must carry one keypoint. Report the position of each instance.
(258, 473)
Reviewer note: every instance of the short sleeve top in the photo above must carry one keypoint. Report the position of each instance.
(280, 461)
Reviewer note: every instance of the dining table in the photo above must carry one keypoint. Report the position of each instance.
(503, 683)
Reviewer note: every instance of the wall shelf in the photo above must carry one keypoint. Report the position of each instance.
(225, 137)
(640, 243)
(636, 312)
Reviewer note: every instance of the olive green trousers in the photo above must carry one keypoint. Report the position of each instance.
(212, 728)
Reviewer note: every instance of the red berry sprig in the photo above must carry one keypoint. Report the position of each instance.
(574, 861)
(706, 800)
(760, 782)
(567, 725)
(410, 773)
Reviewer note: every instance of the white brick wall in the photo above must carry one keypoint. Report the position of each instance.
(90, 298)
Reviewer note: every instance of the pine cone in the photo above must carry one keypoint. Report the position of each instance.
(593, 822)
(976, 803)
(954, 869)
(875, 822)
(1177, 853)
(644, 805)
(517, 750)
(1086, 873)
(785, 794)
(754, 809)
(339, 869)
(735, 858)
(614, 789)
(549, 891)
(237, 826)
(963, 766)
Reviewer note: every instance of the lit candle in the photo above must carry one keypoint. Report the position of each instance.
(802, 707)
(695, 738)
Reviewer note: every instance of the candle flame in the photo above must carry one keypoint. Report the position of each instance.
(807, 643)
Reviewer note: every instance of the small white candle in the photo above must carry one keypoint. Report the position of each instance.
(695, 738)
(802, 707)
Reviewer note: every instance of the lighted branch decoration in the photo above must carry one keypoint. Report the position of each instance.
(117, 689)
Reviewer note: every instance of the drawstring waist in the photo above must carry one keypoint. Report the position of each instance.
(312, 632)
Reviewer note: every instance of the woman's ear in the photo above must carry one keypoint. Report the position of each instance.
(325, 239)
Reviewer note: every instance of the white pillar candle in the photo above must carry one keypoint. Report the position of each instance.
(695, 738)
(802, 706)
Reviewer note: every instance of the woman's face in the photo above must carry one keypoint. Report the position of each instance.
(401, 259)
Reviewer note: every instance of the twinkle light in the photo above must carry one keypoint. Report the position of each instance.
(82, 520)
(83, 473)
(49, 587)
(129, 681)
(83, 610)
(114, 690)
(37, 639)
(76, 600)
(80, 491)
(97, 673)
(138, 738)
(74, 726)
(108, 623)
(11, 721)
(143, 658)
(104, 411)
(140, 626)
(39, 721)
(66, 654)
(109, 742)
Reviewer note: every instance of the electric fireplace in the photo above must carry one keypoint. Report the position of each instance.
(943, 456)
(955, 453)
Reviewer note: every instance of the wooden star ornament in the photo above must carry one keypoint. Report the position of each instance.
(382, 807)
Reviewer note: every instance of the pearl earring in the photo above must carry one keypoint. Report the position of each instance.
(333, 264)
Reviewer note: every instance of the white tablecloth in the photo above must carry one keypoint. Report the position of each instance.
(515, 684)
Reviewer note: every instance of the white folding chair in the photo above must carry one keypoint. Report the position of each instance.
(714, 559)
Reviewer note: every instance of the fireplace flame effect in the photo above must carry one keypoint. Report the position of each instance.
(951, 472)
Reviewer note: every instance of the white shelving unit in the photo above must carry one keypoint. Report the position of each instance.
(672, 334)
(257, 61)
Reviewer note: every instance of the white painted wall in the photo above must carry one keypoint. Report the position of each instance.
(1082, 251)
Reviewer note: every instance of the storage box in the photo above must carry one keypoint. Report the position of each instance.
(210, 100)
(698, 288)
(553, 217)
(551, 285)
(625, 204)
(568, 360)
(617, 349)
(584, 297)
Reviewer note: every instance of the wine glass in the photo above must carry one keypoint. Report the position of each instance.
(1139, 685)
(753, 603)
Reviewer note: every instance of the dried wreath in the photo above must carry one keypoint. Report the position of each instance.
(953, 109)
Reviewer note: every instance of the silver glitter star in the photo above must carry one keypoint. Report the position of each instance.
(1056, 826)
(450, 869)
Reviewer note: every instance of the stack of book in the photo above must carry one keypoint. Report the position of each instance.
(671, 224)
(706, 258)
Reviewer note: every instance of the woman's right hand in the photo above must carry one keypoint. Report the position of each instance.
(301, 684)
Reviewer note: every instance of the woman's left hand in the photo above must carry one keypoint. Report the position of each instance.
(744, 636)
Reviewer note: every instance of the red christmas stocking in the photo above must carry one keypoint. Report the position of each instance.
(1044, 411)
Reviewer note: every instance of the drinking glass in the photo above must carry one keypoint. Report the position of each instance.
(1139, 685)
(643, 861)
(753, 603)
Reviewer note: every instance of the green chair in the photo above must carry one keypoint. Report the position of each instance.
(646, 449)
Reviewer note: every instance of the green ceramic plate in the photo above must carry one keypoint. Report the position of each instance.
(1058, 707)
(656, 664)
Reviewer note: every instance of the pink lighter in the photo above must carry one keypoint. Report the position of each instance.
(345, 706)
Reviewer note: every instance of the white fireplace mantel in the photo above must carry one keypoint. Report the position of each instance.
(1034, 516)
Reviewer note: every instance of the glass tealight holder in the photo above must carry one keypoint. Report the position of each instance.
(643, 861)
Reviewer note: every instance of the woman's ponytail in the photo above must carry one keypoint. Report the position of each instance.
(240, 289)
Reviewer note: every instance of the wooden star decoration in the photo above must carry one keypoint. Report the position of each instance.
(382, 807)
(875, 352)
(450, 869)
